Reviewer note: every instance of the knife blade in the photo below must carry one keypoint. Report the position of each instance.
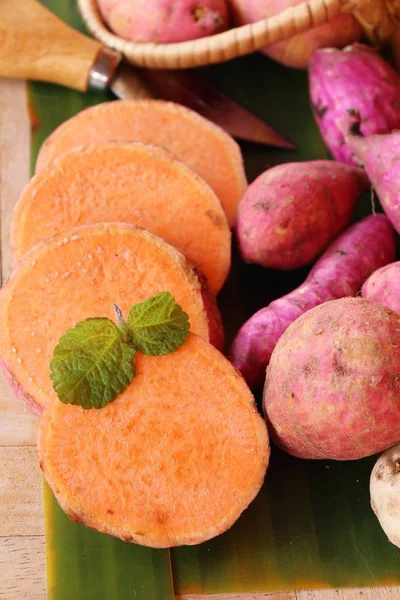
(37, 45)
(195, 93)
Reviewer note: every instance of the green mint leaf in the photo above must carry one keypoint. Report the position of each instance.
(92, 364)
(158, 326)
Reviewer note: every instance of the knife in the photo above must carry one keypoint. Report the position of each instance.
(36, 45)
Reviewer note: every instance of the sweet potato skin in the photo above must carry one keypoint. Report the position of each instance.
(379, 154)
(164, 21)
(332, 389)
(356, 78)
(341, 271)
(18, 390)
(385, 493)
(291, 212)
(384, 286)
(182, 443)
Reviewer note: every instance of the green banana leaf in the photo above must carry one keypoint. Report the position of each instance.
(311, 526)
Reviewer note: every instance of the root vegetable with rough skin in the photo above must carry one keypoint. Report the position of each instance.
(379, 154)
(291, 212)
(385, 493)
(173, 460)
(164, 21)
(341, 271)
(354, 79)
(384, 286)
(129, 183)
(80, 274)
(203, 146)
(332, 389)
(297, 50)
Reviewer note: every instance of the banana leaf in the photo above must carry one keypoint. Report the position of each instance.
(311, 526)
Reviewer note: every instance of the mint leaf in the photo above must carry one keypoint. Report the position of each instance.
(158, 325)
(92, 364)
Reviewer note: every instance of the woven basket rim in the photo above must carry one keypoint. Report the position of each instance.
(220, 47)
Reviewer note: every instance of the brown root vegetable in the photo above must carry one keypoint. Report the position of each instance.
(132, 183)
(173, 460)
(332, 389)
(80, 274)
(203, 146)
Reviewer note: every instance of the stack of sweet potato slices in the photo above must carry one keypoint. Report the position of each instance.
(131, 199)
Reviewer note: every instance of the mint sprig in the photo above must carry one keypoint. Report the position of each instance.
(94, 361)
(158, 325)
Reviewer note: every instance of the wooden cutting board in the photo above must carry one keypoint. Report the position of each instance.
(22, 542)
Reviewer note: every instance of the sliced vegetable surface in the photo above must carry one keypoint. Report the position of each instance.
(206, 148)
(79, 275)
(130, 183)
(173, 460)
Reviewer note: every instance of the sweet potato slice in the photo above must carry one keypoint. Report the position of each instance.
(174, 460)
(205, 147)
(80, 274)
(132, 183)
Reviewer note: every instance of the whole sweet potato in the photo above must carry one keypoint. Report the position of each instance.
(332, 389)
(384, 286)
(291, 212)
(379, 154)
(164, 21)
(341, 271)
(354, 79)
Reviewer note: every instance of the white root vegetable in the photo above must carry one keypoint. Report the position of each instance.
(385, 493)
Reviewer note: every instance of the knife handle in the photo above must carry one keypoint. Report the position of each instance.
(35, 44)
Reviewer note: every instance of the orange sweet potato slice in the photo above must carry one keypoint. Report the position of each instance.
(205, 147)
(173, 460)
(133, 183)
(80, 274)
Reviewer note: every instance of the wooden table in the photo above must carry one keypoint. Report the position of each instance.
(22, 545)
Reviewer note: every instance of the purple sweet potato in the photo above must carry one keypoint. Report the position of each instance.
(291, 213)
(164, 21)
(342, 269)
(384, 286)
(380, 156)
(332, 389)
(356, 78)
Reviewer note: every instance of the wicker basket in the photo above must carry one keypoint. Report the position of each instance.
(379, 18)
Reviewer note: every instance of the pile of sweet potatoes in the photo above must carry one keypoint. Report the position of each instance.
(329, 360)
(131, 199)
